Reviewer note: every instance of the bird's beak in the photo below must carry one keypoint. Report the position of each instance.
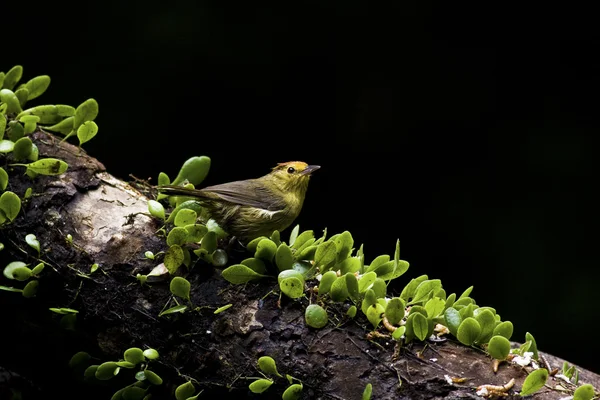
(310, 169)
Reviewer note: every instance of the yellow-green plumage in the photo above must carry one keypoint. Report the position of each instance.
(255, 207)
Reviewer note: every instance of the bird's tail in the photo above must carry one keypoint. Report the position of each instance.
(171, 190)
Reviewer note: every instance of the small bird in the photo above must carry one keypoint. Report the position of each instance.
(254, 207)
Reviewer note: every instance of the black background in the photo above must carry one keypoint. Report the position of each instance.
(470, 133)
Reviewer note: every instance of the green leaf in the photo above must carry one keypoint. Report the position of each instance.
(339, 291)
(534, 381)
(177, 309)
(397, 334)
(352, 286)
(293, 392)
(367, 392)
(315, 316)
(22, 95)
(504, 329)
(194, 170)
(584, 392)
(292, 287)
(107, 370)
(173, 258)
(180, 287)
(293, 234)
(2, 125)
(156, 209)
(268, 366)
(450, 300)
(325, 255)
(255, 264)
(185, 391)
(33, 242)
(409, 290)
(186, 217)
(425, 290)
(327, 280)
(87, 111)
(487, 322)
(133, 393)
(466, 293)
(420, 326)
(134, 355)
(374, 313)
(3, 178)
(163, 179)
(260, 385)
(152, 377)
(276, 237)
(63, 310)
(303, 238)
(468, 331)
(177, 236)
(65, 126)
(38, 269)
(394, 310)
(48, 166)
(195, 233)
(283, 257)
(290, 273)
(221, 309)
(151, 354)
(6, 146)
(49, 114)
(350, 264)
(11, 289)
(12, 77)
(499, 347)
(79, 358)
(29, 123)
(398, 269)
(435, 307)
(379, 287)
(30, 289)
(239, 273)
(10, 205)
(9, 98)
(343, 243)
(22, 149)
(37, 86)
(186, 205)
(351, 312)
(87, 131)
(266, 250)
(366, 281)
(533, 347)
(368, 300)
(15, 131)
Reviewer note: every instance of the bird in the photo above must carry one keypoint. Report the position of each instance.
(252, 208)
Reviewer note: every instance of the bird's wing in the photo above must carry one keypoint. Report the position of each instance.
(246, 194)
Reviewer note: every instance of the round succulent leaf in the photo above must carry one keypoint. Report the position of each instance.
(325, 255)
(351, 312)
(435, 307)
(450, 300)
(173, 258)
(352, 286)
(133, 393)
(32, 241)
(315, 316)
(533, 347)
(367, 392)
(368, 300)
(466, 293)
(290, 273)
(584, 392)
(3, 178)
(10, 205)
(374, 313)
(79, 358)
(327, 280)
(186, 205)
(195, 233)
(194, 170)
(534, 381)
(90, 372)
(38, 269)
(394, 310)
(307, 253)
(265, 250)
(499, 347)
(21, 273)
(292, 287)
(468, 331)
(379, 287)
(397, 334)
(152, 377)
(2, 123)
(419, 310)
(151, 354)
(107, 370)
(178, 236)
(65, 126)
(293, 392)
(260, 385)
(22, 149)
(30, 289)
(268, 366)
(12, 77)
(350, 264)
(180, 287)
(86, 111)
(366, 280)
(467, 311)
(420, 326)
(302, 239)
(425, 290)
(239, 273)
(126, 364)
(504, 328)
(185, 217)
(256, 264)
(87, 131)
(6, 146)
(453, 320)
(284, 257)
(379, 260)
(343, 243)
(37, 86)
(185, 391)
(8, 270)
(134, 355)
(487, 322)
(339, 291)
(156, 209)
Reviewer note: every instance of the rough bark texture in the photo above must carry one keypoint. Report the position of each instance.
(107, 220)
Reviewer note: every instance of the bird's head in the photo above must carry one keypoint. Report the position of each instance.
(292, 175)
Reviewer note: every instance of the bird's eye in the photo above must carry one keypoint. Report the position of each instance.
(291, 170)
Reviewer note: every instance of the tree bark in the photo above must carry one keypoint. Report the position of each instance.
(108, 221)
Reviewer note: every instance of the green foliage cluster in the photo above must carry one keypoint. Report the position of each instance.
(135, 361)
(20, 271)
